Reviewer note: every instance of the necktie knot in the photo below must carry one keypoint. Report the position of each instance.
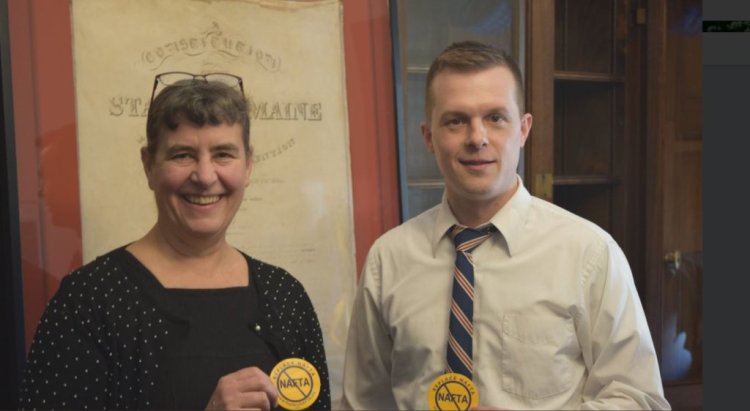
(467, 239)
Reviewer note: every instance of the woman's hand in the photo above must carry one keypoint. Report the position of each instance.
(247, 388)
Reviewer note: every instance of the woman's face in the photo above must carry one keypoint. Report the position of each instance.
(198, 175)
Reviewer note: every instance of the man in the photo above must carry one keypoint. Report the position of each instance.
(553, 321)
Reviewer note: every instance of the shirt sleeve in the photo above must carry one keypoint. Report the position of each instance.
(65, 368)
(367, 377)
(617, 345)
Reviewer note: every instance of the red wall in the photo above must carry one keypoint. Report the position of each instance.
(372, 121)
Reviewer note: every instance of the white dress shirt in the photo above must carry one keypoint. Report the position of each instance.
(557, 319)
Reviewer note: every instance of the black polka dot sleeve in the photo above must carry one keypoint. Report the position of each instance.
(66, 365)
(291, 312)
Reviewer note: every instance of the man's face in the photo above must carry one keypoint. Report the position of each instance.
(476, 132)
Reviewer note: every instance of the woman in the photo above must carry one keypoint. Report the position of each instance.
(178, 318)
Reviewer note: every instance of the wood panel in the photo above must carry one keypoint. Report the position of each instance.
(674, 213)
(592, 201)
(598, 122)
(540, 95)
(583, 128)
(584, 35)
(589, 110)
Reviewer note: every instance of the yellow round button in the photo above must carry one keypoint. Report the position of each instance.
(453, 392)
(298, 383)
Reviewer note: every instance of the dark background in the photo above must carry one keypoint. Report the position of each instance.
(12, 344)
(726, 110)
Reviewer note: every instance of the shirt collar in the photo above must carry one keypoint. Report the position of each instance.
(509, 220)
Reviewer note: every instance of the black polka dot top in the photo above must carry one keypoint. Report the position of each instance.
(104, 338)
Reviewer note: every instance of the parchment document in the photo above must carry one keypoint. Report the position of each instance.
(297, 211)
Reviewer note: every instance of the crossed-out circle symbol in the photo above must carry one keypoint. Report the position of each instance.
(452, 388)
(293, 392)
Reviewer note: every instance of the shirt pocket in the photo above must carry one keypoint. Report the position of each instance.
(536, 355)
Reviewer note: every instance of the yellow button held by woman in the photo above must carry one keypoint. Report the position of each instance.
(180, 319)
(298, 383)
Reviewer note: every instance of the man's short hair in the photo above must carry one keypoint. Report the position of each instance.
(468, 57)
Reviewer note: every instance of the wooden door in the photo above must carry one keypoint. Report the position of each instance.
(674, 197)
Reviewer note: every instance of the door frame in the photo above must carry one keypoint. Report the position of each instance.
(688, 395)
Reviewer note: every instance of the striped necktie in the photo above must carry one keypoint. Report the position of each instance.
(460, 326)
